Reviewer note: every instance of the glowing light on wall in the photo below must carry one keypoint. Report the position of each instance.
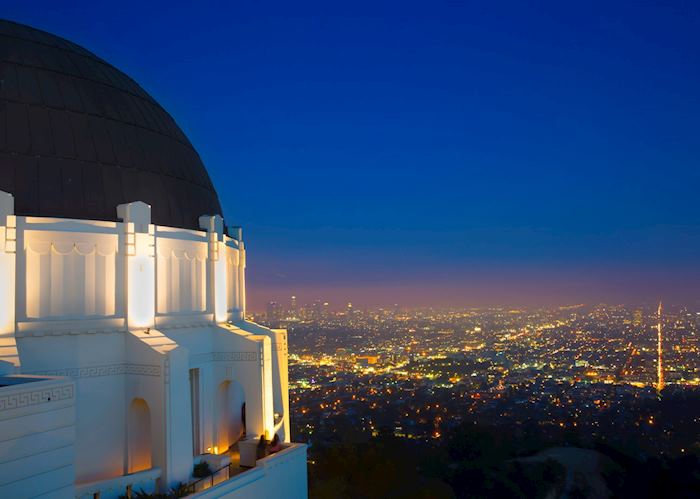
(139, 246)
(141, 275)
(8, 248)
(70, 275)
(181, 273)
(220, 284)
(7, 291)
(268, 398)
(232, 279)
(241, 279)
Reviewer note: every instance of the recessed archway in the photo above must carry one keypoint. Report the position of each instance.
(230, 400)
(139, 436)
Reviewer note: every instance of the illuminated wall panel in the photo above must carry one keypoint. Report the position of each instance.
(141, 283)
(220, 283)
(232, 279)
(70, 278)
(182, 276)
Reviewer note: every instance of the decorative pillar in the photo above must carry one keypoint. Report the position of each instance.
(280, 385)
(9, 358)
(216, 265)
(257, 383)
(237, 234)
(139, 250)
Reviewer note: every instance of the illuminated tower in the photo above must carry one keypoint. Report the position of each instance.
(659, 349)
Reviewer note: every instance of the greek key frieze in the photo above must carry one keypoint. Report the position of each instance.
(235, 356)
(226, 357)
(143, 369)
(106, 370)
(35, 397)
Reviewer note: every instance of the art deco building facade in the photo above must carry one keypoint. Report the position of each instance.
(124, 349)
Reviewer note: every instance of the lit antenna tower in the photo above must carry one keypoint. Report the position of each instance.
(659, 349)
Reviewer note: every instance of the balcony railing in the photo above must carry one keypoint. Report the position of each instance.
(262, 480)
(218, 476)
(221, 475)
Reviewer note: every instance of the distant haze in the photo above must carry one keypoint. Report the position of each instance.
(511, 287)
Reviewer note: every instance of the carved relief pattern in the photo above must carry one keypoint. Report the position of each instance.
(106, 370)
(226, 357)
(35, 397)
(182, 279)
(70, 278)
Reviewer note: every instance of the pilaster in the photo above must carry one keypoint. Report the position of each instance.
(237, 234)
(9, 358)
(138, 249)
(216, 265)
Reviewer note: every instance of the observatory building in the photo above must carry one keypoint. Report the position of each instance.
(126, 360)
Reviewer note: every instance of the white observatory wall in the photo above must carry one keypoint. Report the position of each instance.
(70, 322)
(68, 270)
(182, 276)
(37, 431)
(279, 476)
(278, 367)
(97, 364)
(126, 310)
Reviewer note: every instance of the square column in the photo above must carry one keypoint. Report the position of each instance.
(216, 265)
(139, 251)
(257, 383)
(9, 358)
(237, 234)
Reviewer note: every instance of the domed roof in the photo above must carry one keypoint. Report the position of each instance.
(79, 137)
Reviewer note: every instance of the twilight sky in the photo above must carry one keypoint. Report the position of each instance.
(431, 153)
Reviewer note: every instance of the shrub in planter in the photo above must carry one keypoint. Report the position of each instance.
(201, 470)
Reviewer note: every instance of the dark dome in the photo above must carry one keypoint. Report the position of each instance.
(79, 137)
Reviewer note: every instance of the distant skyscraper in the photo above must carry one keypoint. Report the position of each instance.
(273, 313)
(659, 348)
(317, 310)
(293, 306)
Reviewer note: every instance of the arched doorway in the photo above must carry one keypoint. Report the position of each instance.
(237, 404)
(230, 400)
(139, 436)
(223, 416)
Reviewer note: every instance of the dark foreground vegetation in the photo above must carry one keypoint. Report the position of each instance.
(487, 460)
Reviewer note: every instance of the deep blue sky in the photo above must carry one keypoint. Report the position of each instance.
(432, 152)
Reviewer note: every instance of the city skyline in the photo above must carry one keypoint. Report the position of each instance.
(295, 303)
(400, 158)
(443, 297)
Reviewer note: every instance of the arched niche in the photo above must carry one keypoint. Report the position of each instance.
(230, 407)
(139, 436)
